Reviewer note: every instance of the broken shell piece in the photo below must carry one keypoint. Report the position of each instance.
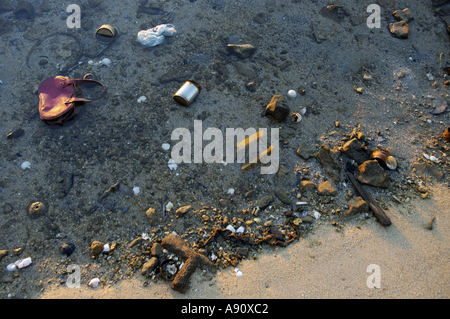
(391, 162)
(434, 159)
(426, 156)
(94, 283)
(446, 135)
(297, 117)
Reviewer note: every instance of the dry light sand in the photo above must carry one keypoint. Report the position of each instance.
(413, 261)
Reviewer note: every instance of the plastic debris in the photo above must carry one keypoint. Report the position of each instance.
(156, 35)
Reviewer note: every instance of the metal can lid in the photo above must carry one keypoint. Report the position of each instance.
(106, 34)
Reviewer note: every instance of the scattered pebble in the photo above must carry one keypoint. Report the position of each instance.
(165, 146)
(25, 165)
(169, 206)
(94, 283)
(231, 191)
(141, 99)
(172, 165)
(292, 94)
(105, 61)
(136, 190)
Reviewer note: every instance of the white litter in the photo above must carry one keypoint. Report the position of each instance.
(156, 35)
(172, 165)
(141, 99)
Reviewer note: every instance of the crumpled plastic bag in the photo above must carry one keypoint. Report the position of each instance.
(156, 35)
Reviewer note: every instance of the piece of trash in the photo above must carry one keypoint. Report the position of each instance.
(426, 156)
(187, 93)
(430, 76)
(106, 34)
(141, 99)
(19, 264)
(385, 158)
(156, 35)
(172, 165)
(94, 283)
(25, 165)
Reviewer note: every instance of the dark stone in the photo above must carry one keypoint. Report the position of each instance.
(404, 15)
(3, 253)
(7, 208)
(250, 194)
(15, 134)
(67, 249)
(242, 50)
(353, 150)
(281, 194)
(371, 173)
(278, 108)
(253, 85)
(156, 250)
(243, 251)
(179, 74)
(265, 201)
(399, 29)
(328, 162)
(305, 151)
(285, 177)
(24, 10)
(5, 26)
(260, 18)
(149, 266)
(357, 205)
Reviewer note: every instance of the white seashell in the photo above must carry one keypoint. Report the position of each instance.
(426, 156)
(433, 159)
(430, 76)
(292, 94)
(141, 99)
(301, 203)
(24, 263)
(25, 165)
(136, 190)
(106, 249)
(169, 206)
(11, 267)
(94, 283)
(240, 230)
(231, 228)
(165, 146)
(172, 165)
(231, 191)
(239, 273)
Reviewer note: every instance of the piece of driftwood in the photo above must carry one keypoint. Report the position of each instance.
(376, 209)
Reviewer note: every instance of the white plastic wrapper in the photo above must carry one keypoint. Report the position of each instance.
(156, 35)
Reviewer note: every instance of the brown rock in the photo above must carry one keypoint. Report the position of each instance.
(326, 189)
(357, 205)
(135, 242)
(149, 266)
(353, 150)
(427, 169)
(96, 248)
(399, 29)
(305, 186)
(183, 210)
(404, 15)
(278, 108)
(329, 163)
(3, 253)
(305, 151)
(152, 216)
(371, 173)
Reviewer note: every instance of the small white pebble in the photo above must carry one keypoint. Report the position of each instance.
(433, 159)
(105, 61)
(240, 230)
(25, 165)
(231, 228)
(136, 190)
(292, 94)
(165, 146)
(316, 214)
(426, 156)
(169, 206)
(172, 165)
(141, 99)
(106, 249)
(239, 273)
(231, 191)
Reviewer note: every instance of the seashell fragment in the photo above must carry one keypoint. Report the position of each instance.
(391, 162)
(296, 117)
(434, 159)
(94, 283)
(25, 165)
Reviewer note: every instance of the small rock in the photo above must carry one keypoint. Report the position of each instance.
(253, 84)
(278, 108)
(250, 194)
(243, 251)
(183, 210)
(96, 248)
(15, 134)
(357, 205)
(67, 249)
(371, 173)
(326, 189)
(422, 189)
(353, 150)
(329, 163)
(152, 216)
(305, 151)
(285, 177)
(156, 250)
(404, 15)
(265, 201)
(307, 219)
(135, 242)
(242, 50)
(149, 266)
(399, 29)
(281, 194)
(37, 209)
(7, 208)
(3, 253)
(305, 186)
